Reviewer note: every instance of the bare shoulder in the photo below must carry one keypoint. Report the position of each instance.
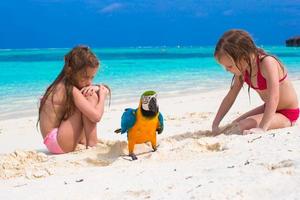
(60, 87)
(269, 64)
(58, 94)
(269, 61)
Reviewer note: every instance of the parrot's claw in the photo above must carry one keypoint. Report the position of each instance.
(133, 156)
(118, 130)
(154, 149)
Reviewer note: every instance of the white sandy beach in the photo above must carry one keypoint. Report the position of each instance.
(188, 164)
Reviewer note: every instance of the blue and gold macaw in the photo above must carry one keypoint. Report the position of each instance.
(142, 123)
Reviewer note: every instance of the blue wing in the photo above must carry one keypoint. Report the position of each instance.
(128, 119)
(161, 124)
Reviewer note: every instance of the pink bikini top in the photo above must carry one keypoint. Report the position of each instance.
(261, 81)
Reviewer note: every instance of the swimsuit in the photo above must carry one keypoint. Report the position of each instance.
(261, 81)
(51, 142)
(291, 114)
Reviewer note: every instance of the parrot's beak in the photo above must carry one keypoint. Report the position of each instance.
(153, 105)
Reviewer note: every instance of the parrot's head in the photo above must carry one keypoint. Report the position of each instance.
(148, 104)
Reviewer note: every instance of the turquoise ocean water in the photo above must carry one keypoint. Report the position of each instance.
(25, 73)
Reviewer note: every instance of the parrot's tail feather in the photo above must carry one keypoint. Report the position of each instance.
(118, 130)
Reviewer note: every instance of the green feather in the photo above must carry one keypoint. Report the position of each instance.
(149, 93)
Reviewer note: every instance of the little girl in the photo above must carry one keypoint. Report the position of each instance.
(72, 106)
(264, 73)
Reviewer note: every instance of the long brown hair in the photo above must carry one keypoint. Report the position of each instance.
(239, 45)
(79, 58)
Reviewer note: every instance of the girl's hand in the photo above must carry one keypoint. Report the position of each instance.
(253, 130)
(103, 91)
(89, 90)
(215, 130)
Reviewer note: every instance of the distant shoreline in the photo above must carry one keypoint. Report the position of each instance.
(33, 112)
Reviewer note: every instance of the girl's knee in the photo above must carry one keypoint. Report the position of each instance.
(247, 124)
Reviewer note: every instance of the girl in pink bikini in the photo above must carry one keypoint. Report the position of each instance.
(264, 73)
(72, 106)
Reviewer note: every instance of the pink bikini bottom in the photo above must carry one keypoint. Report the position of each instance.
(51, 142)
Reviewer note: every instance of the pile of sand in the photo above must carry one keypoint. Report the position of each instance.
(30, 164)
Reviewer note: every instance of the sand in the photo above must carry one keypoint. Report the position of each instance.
(189, 162)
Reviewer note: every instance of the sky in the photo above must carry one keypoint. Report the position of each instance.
(132, 23)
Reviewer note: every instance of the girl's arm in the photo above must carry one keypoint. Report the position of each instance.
(255, 111)
(93, 113)
(227, 103)
(271, 74)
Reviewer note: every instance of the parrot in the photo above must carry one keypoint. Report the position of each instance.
(141, 124)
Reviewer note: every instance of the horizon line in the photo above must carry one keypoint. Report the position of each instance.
(131, 47)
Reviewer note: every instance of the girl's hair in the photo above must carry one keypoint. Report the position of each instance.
(79, 58)
(239, 45)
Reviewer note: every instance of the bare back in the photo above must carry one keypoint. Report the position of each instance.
(52, 113)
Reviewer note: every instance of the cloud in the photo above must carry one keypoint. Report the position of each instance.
(112, 8)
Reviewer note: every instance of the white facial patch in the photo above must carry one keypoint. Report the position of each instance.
(146, 100)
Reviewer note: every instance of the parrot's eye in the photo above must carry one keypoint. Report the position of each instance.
(146, 100)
